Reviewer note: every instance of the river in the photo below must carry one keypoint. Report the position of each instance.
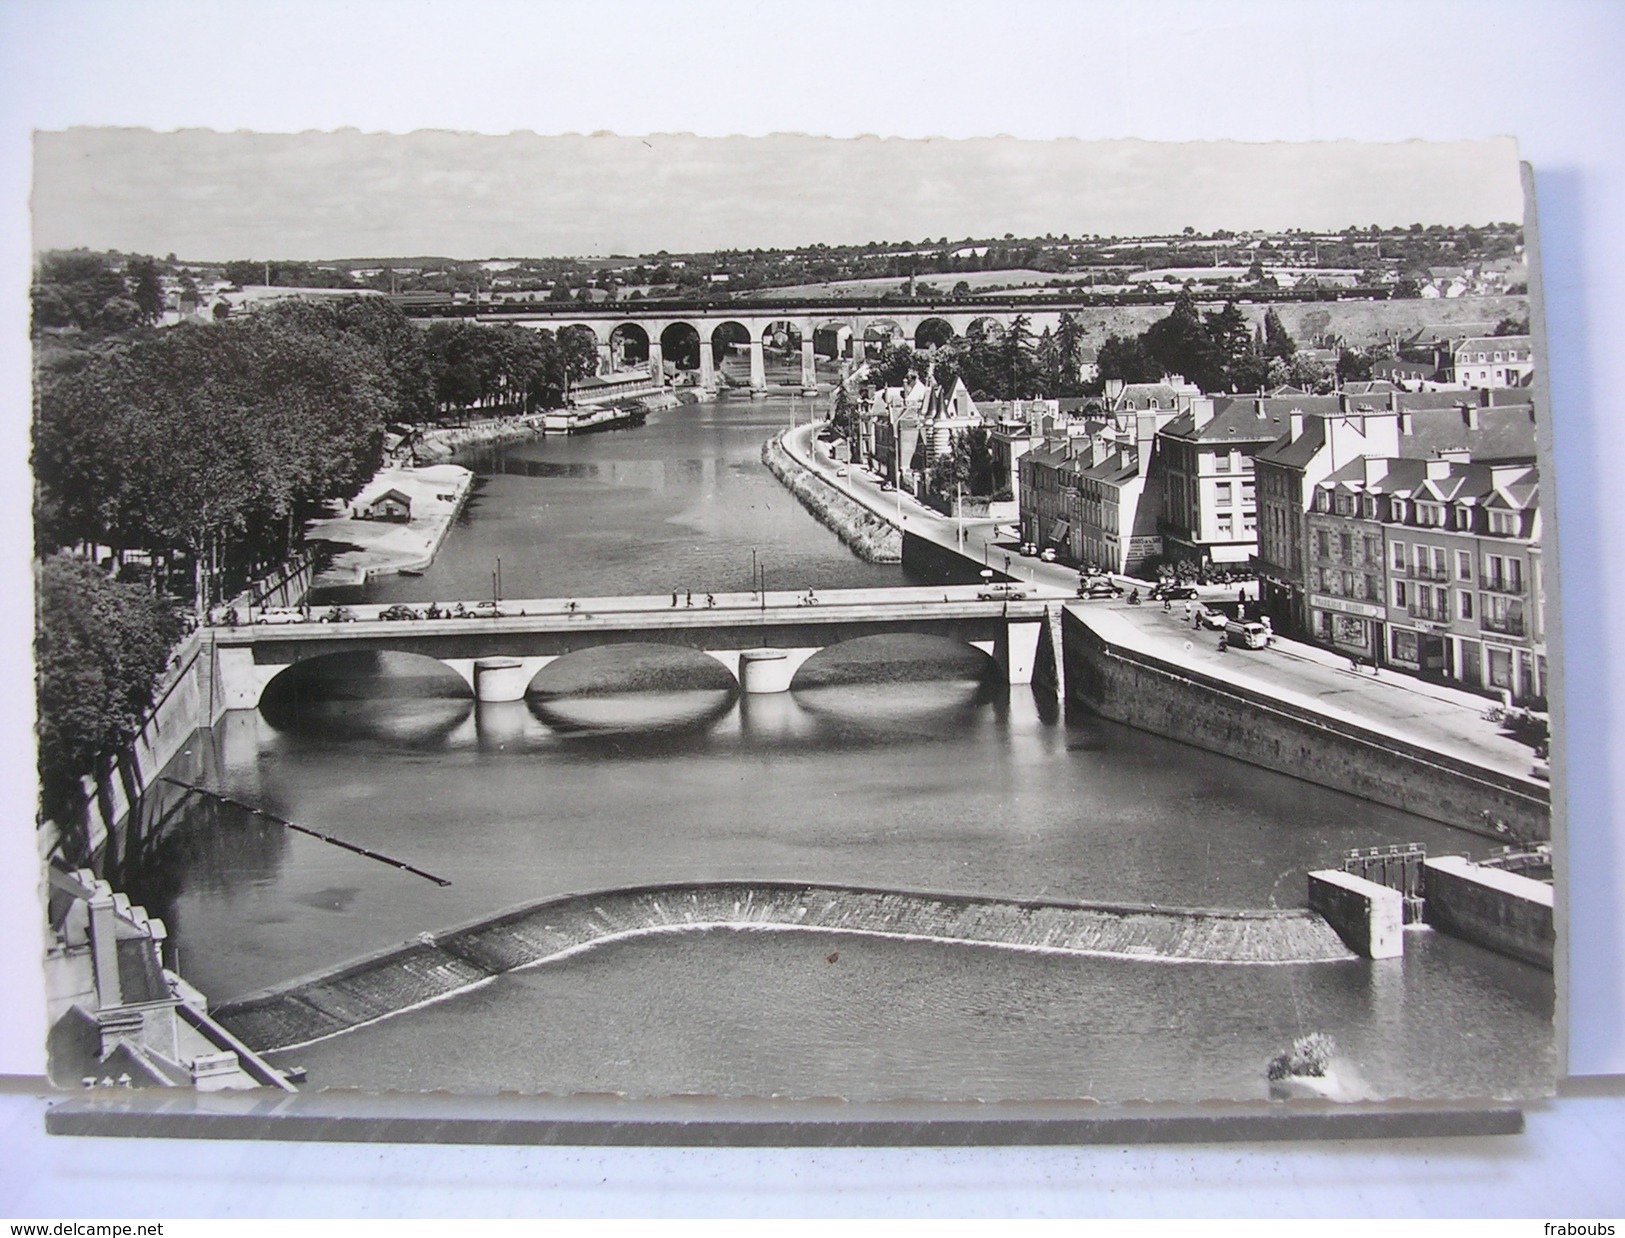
(638, 768)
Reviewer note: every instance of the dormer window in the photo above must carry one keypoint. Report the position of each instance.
(1430, 514)
(1503, 524)
(1397, 512)
(1368, 506)
(1323, 501)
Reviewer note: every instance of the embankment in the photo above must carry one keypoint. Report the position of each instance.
(866, 534)
(440, 965)
(442, 444)
(1181, 702)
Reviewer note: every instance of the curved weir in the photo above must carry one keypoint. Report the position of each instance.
(440, 965)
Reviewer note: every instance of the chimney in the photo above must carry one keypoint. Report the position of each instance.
(1405, 426)
(1469, 416)
(1201, 411)
(1114, 388)
(1375, 469)
(1438, 468)
(1295, 425)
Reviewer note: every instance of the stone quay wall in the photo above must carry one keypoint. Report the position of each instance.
(864, 533)
(1178, 702)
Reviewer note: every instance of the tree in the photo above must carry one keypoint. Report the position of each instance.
(1277, 343)
(560, 290)
(99, 648)
(961, 291)
(1353, 366)
(146, 290)
(1512, 326)
(1179, 344)
(1125, 357)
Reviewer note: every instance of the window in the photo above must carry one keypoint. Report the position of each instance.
(1345, 547)
(1222, 492)
(1368, 506)
(1430, 514)
(1497, 357)
(1373, 551)
(1464, 604)
(1464, 567)
(1247, 492)
(1503, 524)
(1400, 596)
(1344, 503)
(1399, 556)
(1323, 544)
(1440, 561)
(1323, 501)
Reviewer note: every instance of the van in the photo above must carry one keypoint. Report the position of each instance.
(1247, 633)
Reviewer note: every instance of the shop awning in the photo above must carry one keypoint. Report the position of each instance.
(1231, 554)
(1059, 529)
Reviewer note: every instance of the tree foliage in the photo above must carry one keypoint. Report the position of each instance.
(99, 647)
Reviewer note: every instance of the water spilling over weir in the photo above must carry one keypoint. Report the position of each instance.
(442, 964)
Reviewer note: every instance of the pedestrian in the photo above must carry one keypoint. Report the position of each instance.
(1224, 641)
(688, 598)
(1241, 595)
(1190, 612)
(674, 599)
(1167, 604)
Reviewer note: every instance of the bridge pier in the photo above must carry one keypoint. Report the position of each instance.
(758, 367)
(708, 376)
(1015, 650)
(657, 362)
(809, 366)
(499, 678)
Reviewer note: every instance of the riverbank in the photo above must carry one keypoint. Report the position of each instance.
(438, 965)
(369, 547)
(441, 445)
(864, 533)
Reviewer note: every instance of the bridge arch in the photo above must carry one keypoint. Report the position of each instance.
(680, 344)
(933, 332)
(629, 344)
(368, 693)
(879, 331)
(986, 328)
(900, 657)
(631, 686)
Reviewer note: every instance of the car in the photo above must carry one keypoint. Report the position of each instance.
(1246, 633)
(1047, 554)
(280, 614)
(1217, 620)
(1000, 593)
(1100, 587)
(1174, 593)
(842, 471)
(339, 614)
(887, 487)
(399, 612)
(487, 610)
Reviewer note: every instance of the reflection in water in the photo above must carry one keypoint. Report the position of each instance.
(419, 723)
(621, 712)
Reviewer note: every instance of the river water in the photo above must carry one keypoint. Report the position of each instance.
(890, 765)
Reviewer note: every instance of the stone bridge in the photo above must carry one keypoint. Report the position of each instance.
(761, 638)
(629, 336)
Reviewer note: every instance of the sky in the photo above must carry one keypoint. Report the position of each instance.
(215, 196)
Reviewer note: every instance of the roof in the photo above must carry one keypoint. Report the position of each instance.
(1503, 342)
(398, 495)
(1248, 419)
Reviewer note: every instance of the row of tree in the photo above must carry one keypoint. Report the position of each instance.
(1008, 363)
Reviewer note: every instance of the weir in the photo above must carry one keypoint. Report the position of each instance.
(440, 965)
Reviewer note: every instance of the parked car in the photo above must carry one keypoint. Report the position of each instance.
(487, 610)
(399, 612)
(1099, 587)
(1246, 633)
(339, 614)
(280, 614)
(842, 471)
(1047, 554)
(1003, 592)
